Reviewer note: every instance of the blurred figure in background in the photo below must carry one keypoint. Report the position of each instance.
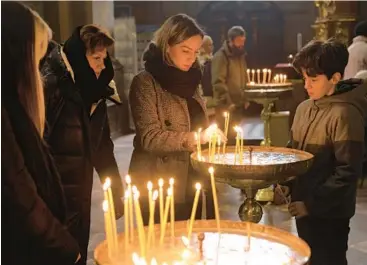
(205, 57)
(78, 82)
(32, 199)
(229, 78)
(357, 51)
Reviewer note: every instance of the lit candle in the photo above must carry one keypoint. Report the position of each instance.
(237, 148)
(264, 75)
(285, 78)
(151, 233)
(108, 194)
(248, 75)
(258, 76)
(130, 202)
(280, 78)
(226, 125)
(160, 184)
(139, 221)
(215, 198)
(269, 76)
(126, 219)
(172, 219)
(107, 223)
(253, 75)
(276, 79)
(194, 207)
(166, 210)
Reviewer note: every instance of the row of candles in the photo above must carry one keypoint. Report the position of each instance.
(214, 150)
(166, 208)
(264, 76)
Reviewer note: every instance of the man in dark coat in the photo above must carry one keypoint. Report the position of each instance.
(78, 81)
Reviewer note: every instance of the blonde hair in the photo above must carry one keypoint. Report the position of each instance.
(175, 30)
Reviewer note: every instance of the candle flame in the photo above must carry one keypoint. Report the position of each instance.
(252, 71)
(185, 241)
(155, 195)
(127, 179)
(107, 184)
(211, 170)
(136, 195)
(150, 185)
(134, 189)
(105, 206)
(160, 182)
(265, 70)
(136, 259)
(127, 194)
(269, 71)
(258, 71)
(225, 114)
(186, 254)
(196, 136)
(171, 181)
(248, 71)
(198, 186)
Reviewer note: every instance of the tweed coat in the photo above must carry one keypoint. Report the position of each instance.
(162, 142)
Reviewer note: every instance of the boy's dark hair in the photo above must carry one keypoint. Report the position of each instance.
(361, 29)
(236, 31)
(322, 58)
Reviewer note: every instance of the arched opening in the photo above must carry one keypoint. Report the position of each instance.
(263, 22)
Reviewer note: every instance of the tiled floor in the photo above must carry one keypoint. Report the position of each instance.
(230, 199)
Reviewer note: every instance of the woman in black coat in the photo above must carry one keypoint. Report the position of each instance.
(33, 207)
(78, 82)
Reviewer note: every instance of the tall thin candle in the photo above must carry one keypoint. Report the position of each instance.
(194, 207)
(172, 208)
(130, 202)
(215, 198)
(166, 211)
(107, 222)
(160, 184)
(126, 219)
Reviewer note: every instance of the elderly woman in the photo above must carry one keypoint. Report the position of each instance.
(167, 108)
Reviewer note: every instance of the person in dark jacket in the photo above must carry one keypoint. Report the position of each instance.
(330, 125)
(32, 200)
(78, 81)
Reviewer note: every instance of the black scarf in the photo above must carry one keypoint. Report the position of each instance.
(172, 79)
(92, 89)
(178, 82)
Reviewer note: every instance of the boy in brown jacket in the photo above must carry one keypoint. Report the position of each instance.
(330, 125)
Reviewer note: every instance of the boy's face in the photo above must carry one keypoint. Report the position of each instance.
(319, 86)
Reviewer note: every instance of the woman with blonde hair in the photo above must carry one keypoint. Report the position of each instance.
(33, 207)
(167, 109)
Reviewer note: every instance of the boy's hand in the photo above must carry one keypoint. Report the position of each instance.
(298, 209)
(280, 195)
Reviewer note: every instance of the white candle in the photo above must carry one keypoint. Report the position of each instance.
(108, 194)
(269, 76)
(285, 78)
(248, 75)
(258, 76)
(253, 75)
(264, 75)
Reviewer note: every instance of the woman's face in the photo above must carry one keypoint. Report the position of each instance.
(184, 54)
(96, 60)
